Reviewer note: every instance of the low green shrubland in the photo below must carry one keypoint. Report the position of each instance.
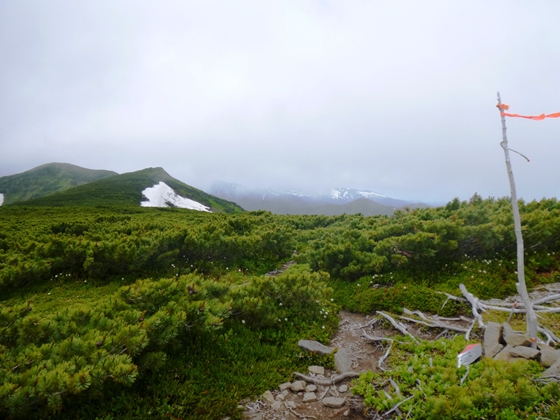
(430, 386)
(154, 313)
(77, 349)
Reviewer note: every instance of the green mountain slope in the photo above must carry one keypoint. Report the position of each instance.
(47, 179)
(126, 189)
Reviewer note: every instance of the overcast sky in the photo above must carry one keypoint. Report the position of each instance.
(397, 97)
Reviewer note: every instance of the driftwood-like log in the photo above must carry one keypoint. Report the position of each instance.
(324, 393)
(324, 381)
(384, 357)
(551, 338)
(465, 375)
(370, 322)
(504, 306)
(394, 385)
(468, 333)
(301, 416)
(372, 338)
(475, 304)
(397, 325)
(546, 299)
(450, 297)
(396, 406)
(435, 325)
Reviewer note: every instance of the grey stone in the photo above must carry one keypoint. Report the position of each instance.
(268, 396)
(285, 393)
(548, 355)
(318, 370)
(315, 347)
(280, 397)
(285, 386)
(343, 388)
(276, 405)
(553, 370)
(290, 404)
(333, 402)
(492, 336)
(511, 353)
(514, 338)
(504, 354)
(524, 352)
(309, 397)
(297, 386)
(342, 361)
(310, 388)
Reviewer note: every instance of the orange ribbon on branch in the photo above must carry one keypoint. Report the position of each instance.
(504, 107)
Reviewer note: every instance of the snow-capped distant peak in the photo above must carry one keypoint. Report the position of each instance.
(162, 195)
(368, 194)
(350, 194)
(335, 194)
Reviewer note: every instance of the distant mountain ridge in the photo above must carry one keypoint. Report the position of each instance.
(332, 202)
(47, 179)
(151, 187)
(60, 184)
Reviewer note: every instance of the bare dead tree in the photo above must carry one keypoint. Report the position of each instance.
(531, 318)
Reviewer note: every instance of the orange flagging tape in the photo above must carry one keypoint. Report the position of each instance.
(504, 107)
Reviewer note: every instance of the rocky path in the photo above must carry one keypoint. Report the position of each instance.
(304, 400)
(309, 397)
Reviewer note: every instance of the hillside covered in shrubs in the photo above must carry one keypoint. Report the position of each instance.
(129, 312)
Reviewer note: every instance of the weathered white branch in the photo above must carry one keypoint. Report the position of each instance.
(324, 393)
(382, 358)
(372, 338)
(301, 416)
(465, 375)
(436, 325)
(546, 299)
(397, 325)
(396, 406)
(549, 335)
(331, 381)
(475, 304)
(468, 333)
(531, 318)
(394, 384)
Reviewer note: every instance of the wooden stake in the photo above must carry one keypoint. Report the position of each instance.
(531, 318)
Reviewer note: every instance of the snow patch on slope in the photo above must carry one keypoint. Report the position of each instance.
(162, 195)
(1, 199)
(369, 194)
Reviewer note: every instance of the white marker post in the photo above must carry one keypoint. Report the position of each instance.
(469, 355)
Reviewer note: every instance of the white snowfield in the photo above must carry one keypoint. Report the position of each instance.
(1, 198)
(161, 195)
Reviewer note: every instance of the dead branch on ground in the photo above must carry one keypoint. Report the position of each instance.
(331, 381)
(397, 325)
